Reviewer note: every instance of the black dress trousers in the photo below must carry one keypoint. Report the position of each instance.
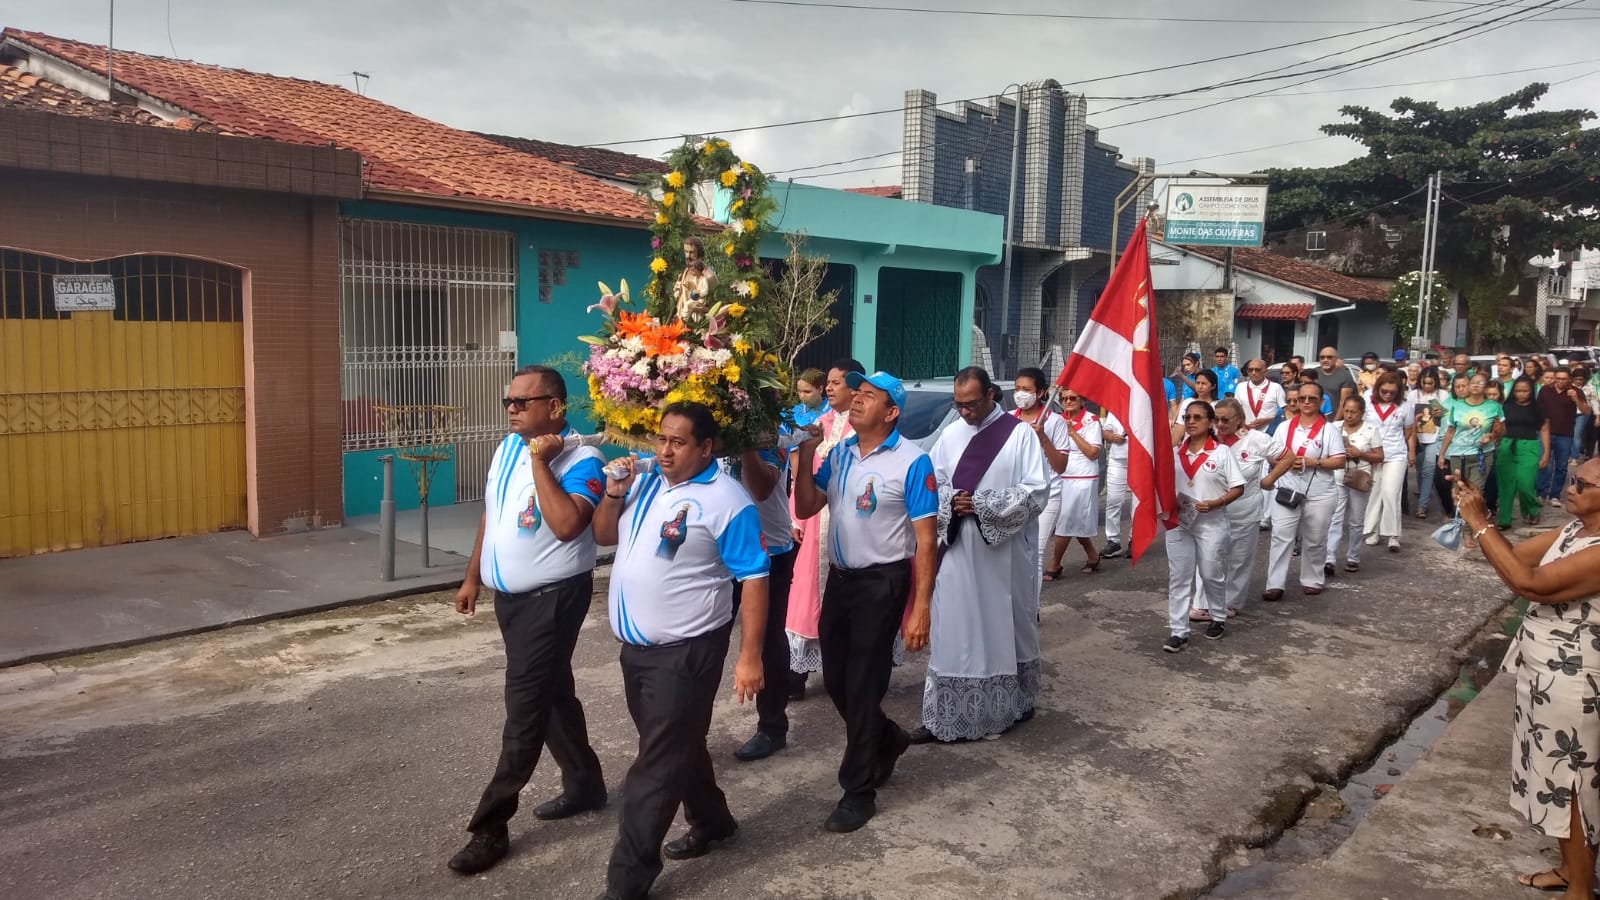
(540, 629)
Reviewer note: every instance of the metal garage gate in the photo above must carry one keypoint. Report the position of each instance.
(121, 400)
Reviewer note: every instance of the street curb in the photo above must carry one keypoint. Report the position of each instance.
(411, 589)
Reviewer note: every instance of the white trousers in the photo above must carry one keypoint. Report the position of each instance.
(1117, 497)
(1047, 523)
(1349, 524)
(1310, 521)
(1383, 507)
(1266, 506)
(1244, 541)
(1200, 545)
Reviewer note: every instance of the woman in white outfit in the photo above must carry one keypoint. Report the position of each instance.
(1313, 451)
(1051, 429)
(1395, 420)
(1253, 451)
(1364, 453)
(1115, 435)
(1207, 480)
(1080, 488)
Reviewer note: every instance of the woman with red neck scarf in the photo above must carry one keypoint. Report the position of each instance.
(1364, 453)
(1395, 421)
(1207, 480)
(1253, 450)
(1313, 452)
(1080, 486)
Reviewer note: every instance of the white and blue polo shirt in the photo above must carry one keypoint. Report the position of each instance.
(679, 547)
(873, 500)
(519, 552)
(777, 527)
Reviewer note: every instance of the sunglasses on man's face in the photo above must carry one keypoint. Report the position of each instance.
(1578, 484)
(521, 403)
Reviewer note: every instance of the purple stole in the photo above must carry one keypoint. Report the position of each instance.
(978, 457)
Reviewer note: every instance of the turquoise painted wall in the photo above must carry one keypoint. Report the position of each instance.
(872, 233)
(363, 484)
(545, 331)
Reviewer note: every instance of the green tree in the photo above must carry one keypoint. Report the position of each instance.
(1518, 181)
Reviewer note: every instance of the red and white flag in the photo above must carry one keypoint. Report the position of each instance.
(1117, 364)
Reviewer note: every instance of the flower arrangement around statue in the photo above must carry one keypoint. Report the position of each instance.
(703, 331)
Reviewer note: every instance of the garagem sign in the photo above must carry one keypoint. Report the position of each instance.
(76, 293)
(1224, 215)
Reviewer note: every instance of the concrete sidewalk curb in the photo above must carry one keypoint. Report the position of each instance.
(1446, 830)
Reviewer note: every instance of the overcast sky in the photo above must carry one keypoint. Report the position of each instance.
(590, 71)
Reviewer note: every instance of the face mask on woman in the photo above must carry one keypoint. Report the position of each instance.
(1025, 399)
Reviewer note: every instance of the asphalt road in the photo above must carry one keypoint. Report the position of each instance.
(339, 755)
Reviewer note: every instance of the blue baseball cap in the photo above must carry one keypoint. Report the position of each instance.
(881, 380)
(1400, 356)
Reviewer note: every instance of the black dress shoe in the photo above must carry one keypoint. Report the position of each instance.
(1327, 569)
(797, 686)
(565, 806)
(481, 852)
(894, 748)
(761, 746)
(845, 820)
(921, 735)
(695, 843)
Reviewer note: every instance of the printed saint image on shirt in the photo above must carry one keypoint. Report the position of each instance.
(867, 503)
(530, 519)
(673, 531)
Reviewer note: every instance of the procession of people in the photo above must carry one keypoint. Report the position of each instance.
(845, 544)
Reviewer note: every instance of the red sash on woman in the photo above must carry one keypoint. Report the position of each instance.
(1314, 432)
(1205, 454)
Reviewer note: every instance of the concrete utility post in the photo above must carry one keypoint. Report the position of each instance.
(1011, 208)
(1430, 236)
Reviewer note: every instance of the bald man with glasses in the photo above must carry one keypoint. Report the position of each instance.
(1333, 377)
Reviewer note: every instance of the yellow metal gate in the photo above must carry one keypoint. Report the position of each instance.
(121, 400)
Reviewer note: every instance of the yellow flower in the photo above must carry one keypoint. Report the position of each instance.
(755, 289)
(723, 144)
(749, 170)
(668, 199)
(732, 372)
(749, 224)
(737, 310)
(736, 205)
(728, 249)
(658, 265)
(661, 218)
(741, 347)
(770, 359)
(730, 177)
(675, 180)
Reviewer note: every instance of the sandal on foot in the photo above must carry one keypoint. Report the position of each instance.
(1199, 615)
(1558, 884)
(1091, 568)
(1053, 574)
(1352, 567)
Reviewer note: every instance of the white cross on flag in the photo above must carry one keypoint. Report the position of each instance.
(1117, 364)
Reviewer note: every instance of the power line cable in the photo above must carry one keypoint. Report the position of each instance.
(1080, 17)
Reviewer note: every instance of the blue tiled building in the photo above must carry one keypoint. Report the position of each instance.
(1060, 231)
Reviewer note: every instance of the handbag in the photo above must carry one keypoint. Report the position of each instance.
(1288, 498)
(1358, 479)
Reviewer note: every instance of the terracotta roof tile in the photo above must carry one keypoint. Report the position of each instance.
(1299, 272)
(24, 90)
(1296, 312)
(893, 191)
(405, 152)
(596, 161)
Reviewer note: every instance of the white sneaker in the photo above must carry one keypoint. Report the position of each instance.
(1555, 501)
(1394, 545)
(1372, 540)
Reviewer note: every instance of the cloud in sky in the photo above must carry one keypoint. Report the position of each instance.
(612, 70)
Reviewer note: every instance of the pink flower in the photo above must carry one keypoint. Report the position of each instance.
(745, 194)
(655, 243)
(608, 304)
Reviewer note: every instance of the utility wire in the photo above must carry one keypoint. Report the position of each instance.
(1080, 17)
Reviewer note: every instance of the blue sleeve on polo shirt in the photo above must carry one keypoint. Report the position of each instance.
(922, 493)
(740, 547)
(585, 479)
(772, 457)
(825, 472)
(1172, 392)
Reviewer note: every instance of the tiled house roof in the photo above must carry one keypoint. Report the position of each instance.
(1298, 272)
(893, 191)
(23, 90)
(1294, 312)
(405, 153)
(596, 161)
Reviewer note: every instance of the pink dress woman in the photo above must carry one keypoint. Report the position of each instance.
(811, 564)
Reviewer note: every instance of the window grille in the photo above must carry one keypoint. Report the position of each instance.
(1316, 240)
(427, 315)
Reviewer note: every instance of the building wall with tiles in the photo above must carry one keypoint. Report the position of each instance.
(1105, 176)
(288, 246)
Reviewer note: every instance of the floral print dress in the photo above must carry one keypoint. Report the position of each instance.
(1555, 743)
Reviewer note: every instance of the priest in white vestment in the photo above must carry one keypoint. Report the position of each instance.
(983, 667)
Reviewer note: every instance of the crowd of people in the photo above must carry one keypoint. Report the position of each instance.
(846, 547)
